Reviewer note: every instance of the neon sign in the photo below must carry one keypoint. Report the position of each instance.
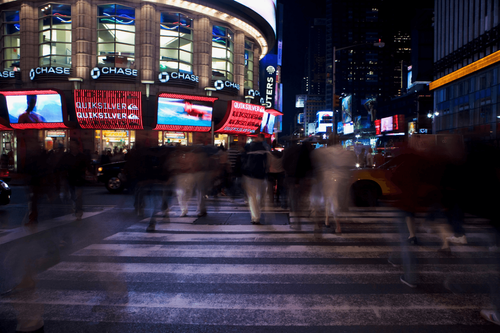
(165, 77)
(96, 72)
(223, 85)
(242, 118)
(108, 109)
(49, 70)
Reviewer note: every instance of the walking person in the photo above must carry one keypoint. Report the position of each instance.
(254, 174)
(76, 164)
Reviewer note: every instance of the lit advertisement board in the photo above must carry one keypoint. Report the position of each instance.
(265, 8)
(241, 118)
(324, 119)
(349, 128)
(109, 109)
(184, 113)
(386, 124)
(34, 109)
(347, 109)
(340, 127)
(300, 101)
(270, 118)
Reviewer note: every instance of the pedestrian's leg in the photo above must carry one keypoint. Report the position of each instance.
(78, 202)
(410, 275)
(201, 185)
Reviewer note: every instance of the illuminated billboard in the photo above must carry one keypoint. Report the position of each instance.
(34, 109)
(265, 8)
(324, 119)
(241, 118)
(109, 109)
(347, 109)
(184, 113)
(386, 124)
(270, 118)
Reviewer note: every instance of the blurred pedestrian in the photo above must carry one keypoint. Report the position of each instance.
(75, 164)
(254, 174)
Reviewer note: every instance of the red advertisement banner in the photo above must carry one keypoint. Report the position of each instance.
(109, 109)
(242, 118)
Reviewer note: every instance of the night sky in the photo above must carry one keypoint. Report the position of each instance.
(295, 34)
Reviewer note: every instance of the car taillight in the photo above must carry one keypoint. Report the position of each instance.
(4, 173)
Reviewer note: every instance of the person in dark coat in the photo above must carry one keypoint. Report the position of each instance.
(75, 164)
(254, 168)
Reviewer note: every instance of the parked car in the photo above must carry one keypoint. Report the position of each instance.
(112, 175)
(149, 164)
(5, 193)
(5, 175)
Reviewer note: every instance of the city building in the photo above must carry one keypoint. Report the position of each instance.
(115, 74)
(466, 69)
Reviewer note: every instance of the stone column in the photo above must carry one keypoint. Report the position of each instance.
(81, 13)
(202, 34)
(28, 16)
(145, 54)
(239, 62)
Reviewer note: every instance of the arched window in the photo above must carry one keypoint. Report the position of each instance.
(54, 35)
(11, 40)
(176, 43)
(222, 53)
(115, 36)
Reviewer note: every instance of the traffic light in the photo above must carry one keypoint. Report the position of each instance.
(336, 101)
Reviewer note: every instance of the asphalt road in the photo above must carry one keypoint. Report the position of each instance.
(219, 273)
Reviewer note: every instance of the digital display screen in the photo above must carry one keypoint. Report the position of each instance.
(267, 125)
(324, 119)
(34, 108)
(242, 118)
(349, 128)
(347, 109)
(112, 109)
(184, 113)
(386, 124)
(265, 8)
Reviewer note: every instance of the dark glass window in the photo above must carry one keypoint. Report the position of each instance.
(11, 40)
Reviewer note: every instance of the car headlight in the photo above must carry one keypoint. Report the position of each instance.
(99, 169)
(4, 185)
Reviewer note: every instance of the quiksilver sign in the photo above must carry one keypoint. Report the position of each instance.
(165, 77)
(49, 70)
(97, 72)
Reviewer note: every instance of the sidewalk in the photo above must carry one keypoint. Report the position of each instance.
(20, 179)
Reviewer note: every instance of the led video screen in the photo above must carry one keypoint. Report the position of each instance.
(267, 125)
(34, 108)
(184, 113)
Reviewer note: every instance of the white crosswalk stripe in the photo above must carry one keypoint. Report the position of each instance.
(240, 277)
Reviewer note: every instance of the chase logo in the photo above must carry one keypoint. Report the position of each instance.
(132, 107)
(133, 117)
(219, 85)
(163, 77)
(271, 70)
(95, 73)
(32, 74)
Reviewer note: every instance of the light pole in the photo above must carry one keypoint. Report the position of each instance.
(378, 44)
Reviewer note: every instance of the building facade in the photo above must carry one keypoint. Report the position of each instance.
(132, 49)
(466, 69)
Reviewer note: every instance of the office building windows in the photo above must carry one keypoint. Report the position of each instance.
(176, 43)
(11, 41)
(222, 53)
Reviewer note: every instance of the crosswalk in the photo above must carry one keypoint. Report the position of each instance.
(226, 277)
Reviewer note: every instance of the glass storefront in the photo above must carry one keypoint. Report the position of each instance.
(7, 155)
(168, 138)
(221, 139)
(113, 141)
(56, 139)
